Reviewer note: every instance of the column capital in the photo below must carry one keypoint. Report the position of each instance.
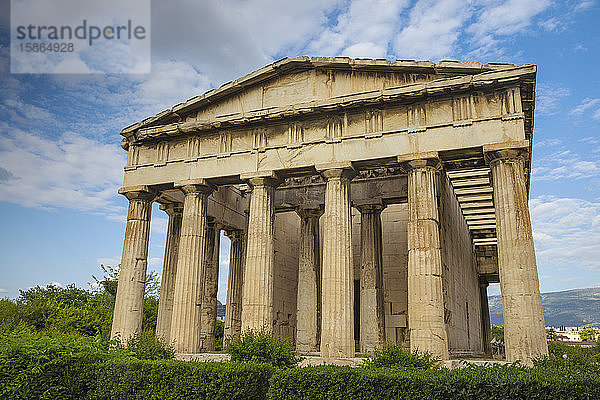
(412, 161)
(172, 208)
(336, 170)
(195, 186)
(375, 206)
(307, 211)
(507, 151)
(234, 234)
(261, 178)
(138, 192)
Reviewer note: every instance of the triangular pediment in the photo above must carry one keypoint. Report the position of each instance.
(303, 80)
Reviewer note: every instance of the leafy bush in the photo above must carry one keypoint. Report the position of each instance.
(395, 356)
(40, 366)
(148, 347)
(561, 354)
(498, 382)
(262, 347)
(171, 379)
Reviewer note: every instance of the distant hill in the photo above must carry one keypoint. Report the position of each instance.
(575, 307)
(220, 309)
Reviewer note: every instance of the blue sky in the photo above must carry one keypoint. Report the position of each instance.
(61, 160)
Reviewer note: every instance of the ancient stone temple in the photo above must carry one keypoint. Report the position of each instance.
(367, 202)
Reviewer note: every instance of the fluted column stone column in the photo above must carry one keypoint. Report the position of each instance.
(524, 331)
(167, 283)
(337, 329)
(308, 316)
(425, 290)
(257, 308)
(372, 314)
(185, 323)
(129, 302)
(233, 307)
(208, 313)
(486, 328)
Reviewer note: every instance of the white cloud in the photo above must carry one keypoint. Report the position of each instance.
(109, 261)
(564, 164)
(547, 143)
(433, 30)
(506, 18)
(155, 262)
(495, 22)
(363, 29)
(548, 97)
(69, 171)
(566, 231)
(2, 290)
(588, 104)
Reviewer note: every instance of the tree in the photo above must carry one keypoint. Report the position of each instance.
(588, 335)
(498, 333)
(551, 334)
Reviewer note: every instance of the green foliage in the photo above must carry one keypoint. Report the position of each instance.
(395, 356)
(564, 354)
(42, 366)
(219, 335)
(588, 335)
(550, 334)
(148, 347)
(181, 380)
(75, 310)
(498, 333)
(262, 347)
(497, 382)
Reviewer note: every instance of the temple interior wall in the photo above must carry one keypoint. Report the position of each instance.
(460, 280)
(285, 282)
(394, 222)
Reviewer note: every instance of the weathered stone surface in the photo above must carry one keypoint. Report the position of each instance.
(185, 322)
(372, 315)
(257, 308)
(210, 278)
(337, 334)
(129, 304)
(308, 316)
(167, 283)
(423, 133)
(524, 332)
(425, 286)
(235, 280)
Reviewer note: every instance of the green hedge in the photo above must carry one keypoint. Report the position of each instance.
(181, 380)
(498, 382)
(35, 366)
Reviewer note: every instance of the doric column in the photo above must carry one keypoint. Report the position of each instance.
(308, 317)
(524, 332)
(425, 291)
(337, 328)
(208, 313)
(486, 328)
(257, 299)
(129, 303)
(233, 306)
(372, 315)
(185, 322)
(167, 283)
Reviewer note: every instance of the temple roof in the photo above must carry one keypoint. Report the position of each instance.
(470, 72)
